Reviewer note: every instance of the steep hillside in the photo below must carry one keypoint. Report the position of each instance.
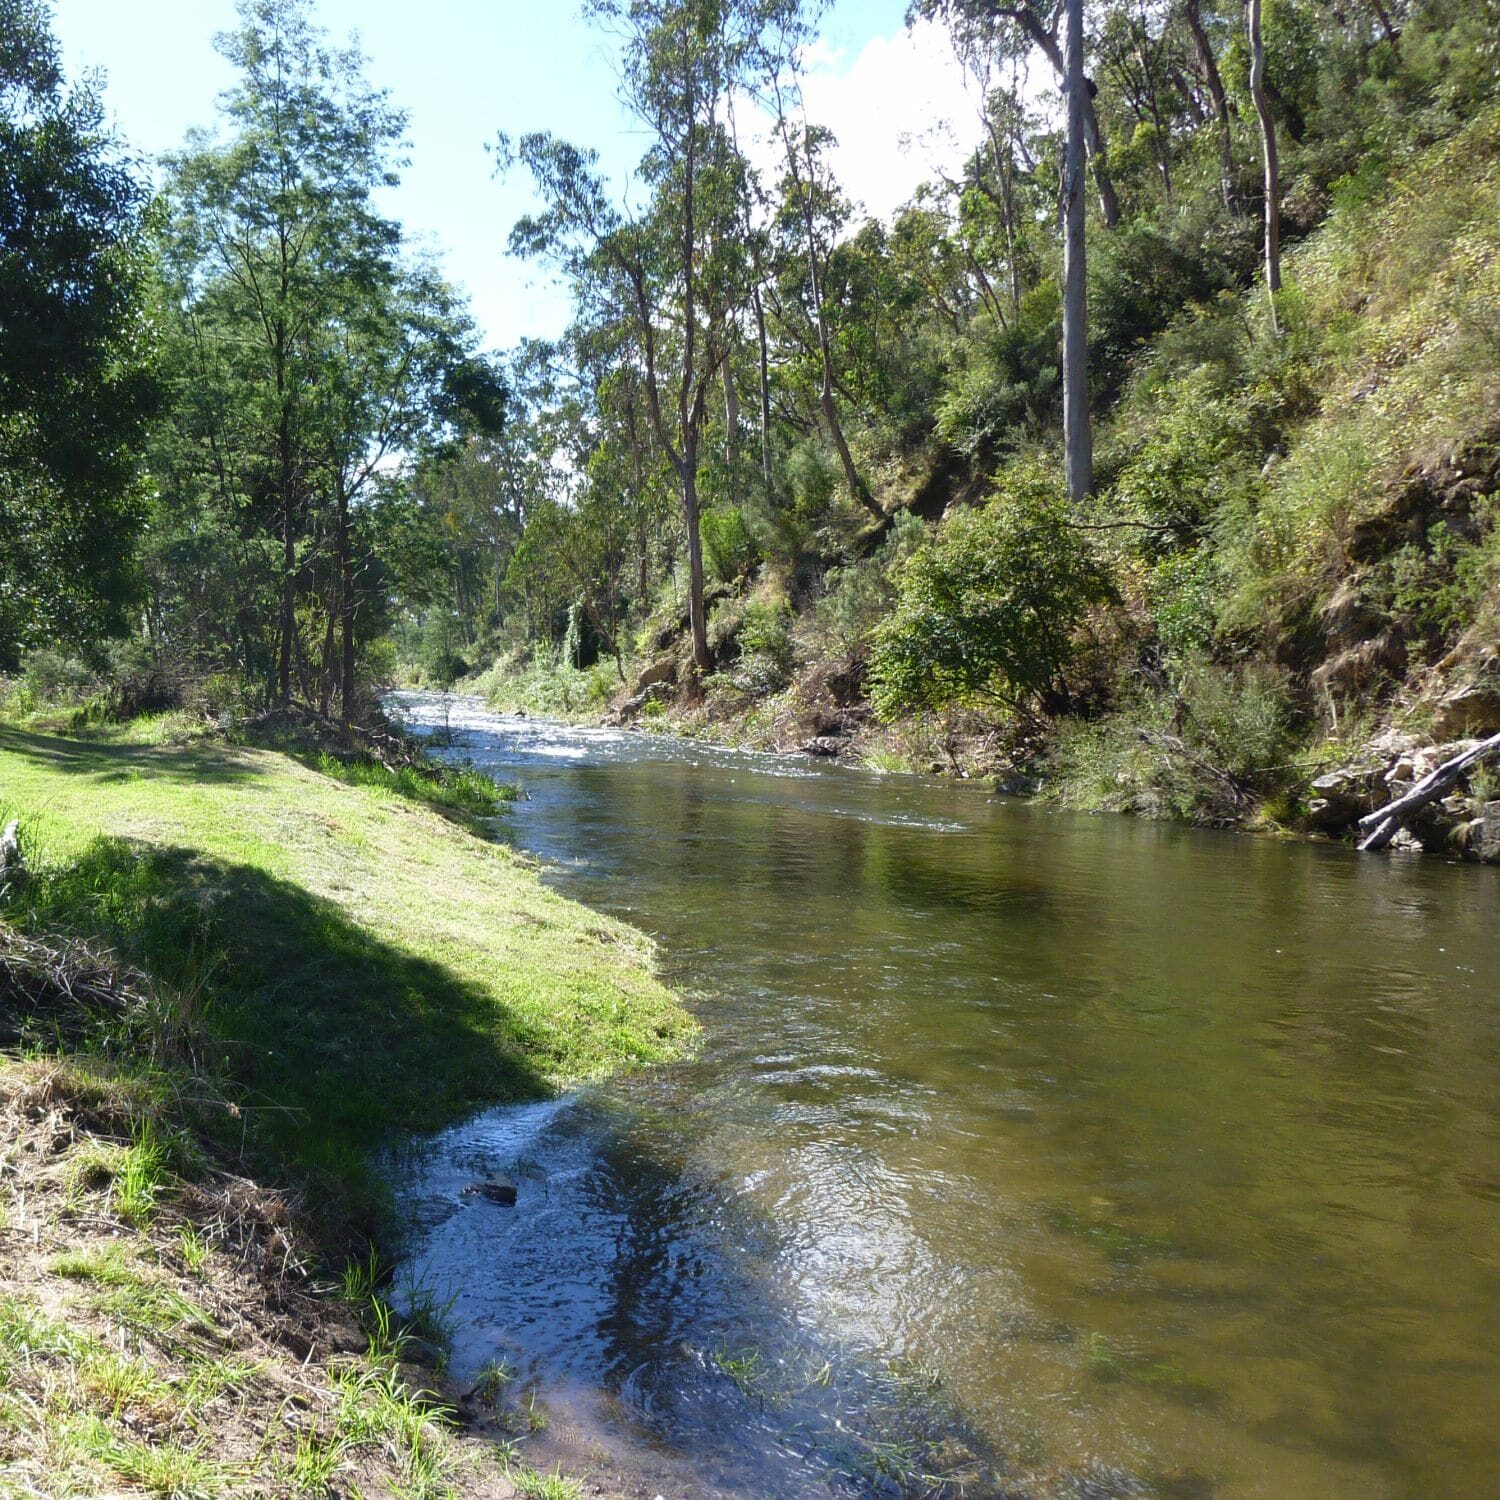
(1295, 523)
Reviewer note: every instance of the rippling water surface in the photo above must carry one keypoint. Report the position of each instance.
(1089, 1156)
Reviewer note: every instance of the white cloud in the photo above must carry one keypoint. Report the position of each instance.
(899, 108)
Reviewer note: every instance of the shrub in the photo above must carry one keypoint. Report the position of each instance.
(859, 594)
(729, 550)
(987, 611)
(765, 638)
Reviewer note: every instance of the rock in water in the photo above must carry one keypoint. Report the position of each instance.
(495, 1189)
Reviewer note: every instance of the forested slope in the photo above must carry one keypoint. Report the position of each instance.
(1288, 563)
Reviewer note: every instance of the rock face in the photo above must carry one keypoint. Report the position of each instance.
(1473, 709)
(664, 669)
(1457, 825)
(1479, 838)
(1344, 796)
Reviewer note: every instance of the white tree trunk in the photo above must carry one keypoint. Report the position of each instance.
(1078, 442)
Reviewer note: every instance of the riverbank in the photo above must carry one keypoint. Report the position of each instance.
(230, 977)
(1119, 764)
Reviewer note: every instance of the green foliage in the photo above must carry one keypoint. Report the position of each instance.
(458, 788)
(729, 549)
(859, 594)
(765, 642)
(1207, 748)
(1005, 384)
(77, 377)
(541, 681)
(988, 611)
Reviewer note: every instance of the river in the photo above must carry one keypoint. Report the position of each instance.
(1085, 1155)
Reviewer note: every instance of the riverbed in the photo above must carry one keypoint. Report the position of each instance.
(1062, 1155)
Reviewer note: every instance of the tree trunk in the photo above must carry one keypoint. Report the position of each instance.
(346, 612)
(697, 622)
(857, 487)
(1387, 821)
(1268, 144)
(288, 604)
(1109, 203)
(731, 417)
(765, 390)
(829, 406)
(1214, 82)
(1077, 436)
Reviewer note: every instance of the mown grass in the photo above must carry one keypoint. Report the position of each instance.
(457, 788)
(287, 965)
(347, 960)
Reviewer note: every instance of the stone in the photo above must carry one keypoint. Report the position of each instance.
(825, 745)
(493, 1189)
(1342, 797)
(638, 701)
(1482, 835)
(663, 670)
(1470, 710)
(1425, 762)
(1016, 784)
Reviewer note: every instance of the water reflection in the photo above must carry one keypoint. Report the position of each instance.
(1175, 1155)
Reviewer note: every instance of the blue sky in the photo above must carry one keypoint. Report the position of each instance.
(466, 69)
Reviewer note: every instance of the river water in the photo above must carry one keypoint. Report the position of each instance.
(1087, 1156)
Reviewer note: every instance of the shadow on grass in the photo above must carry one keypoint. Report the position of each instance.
(112, 763)
(332, 1040)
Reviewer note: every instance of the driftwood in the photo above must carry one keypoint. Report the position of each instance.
(1386, 821)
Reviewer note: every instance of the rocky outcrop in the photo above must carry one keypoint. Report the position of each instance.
(1456, 824)
(1342, 797)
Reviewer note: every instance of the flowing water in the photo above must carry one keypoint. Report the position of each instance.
(1090, 1156)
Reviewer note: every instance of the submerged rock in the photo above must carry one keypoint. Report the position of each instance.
(1017, 784)
(493, 1189)
(826, 745)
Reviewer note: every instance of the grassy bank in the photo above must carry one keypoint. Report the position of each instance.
(228, 976)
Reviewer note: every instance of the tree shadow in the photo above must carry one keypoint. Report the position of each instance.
(330, 1040)
(99, 761)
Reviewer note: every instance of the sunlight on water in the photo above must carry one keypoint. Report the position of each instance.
(1081, 1156)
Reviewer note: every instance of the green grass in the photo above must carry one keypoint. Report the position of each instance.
(457, 788)
(532, 1484)
(352, 963)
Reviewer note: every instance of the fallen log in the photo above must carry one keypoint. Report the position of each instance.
(1387, 821)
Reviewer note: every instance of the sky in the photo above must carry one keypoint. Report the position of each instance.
(465, 70)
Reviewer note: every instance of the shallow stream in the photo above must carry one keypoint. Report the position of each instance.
(1097, 1156)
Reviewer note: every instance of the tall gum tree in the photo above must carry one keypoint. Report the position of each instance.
(1032, 24)
(1271, 246)
(676, 269)
(1078, 443)
(811, 201)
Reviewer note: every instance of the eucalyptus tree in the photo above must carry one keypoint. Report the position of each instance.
(312, 353)
(77, 376)
(1213, 81)
(675, 271)
(1272, 237)
(812, 213)
(1078, 442)
(1013, 29)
